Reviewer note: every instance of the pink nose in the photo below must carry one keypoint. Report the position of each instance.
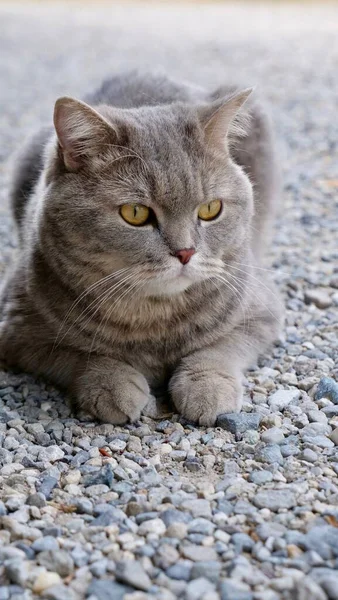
(185, 255)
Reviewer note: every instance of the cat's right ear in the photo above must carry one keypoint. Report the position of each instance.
(81, 132)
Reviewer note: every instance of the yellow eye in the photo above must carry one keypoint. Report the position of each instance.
(135, 214)
(210, 211)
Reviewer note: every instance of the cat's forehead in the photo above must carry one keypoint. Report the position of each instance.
(174, 159)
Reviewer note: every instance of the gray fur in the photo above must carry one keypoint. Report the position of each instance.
(192, 328)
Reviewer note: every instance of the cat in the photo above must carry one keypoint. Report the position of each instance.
(143, 217)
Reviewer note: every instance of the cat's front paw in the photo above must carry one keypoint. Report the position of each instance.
(112, 392)
(203, 396)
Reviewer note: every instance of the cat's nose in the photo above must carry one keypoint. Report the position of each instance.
(185, 255)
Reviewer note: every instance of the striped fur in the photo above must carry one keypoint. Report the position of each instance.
(105, 309)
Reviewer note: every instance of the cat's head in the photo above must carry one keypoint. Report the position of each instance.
(151, 193)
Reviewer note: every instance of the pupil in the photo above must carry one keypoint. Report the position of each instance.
(135, 211)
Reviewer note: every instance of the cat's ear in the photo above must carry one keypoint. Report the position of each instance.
(81, 132)
(223, 119)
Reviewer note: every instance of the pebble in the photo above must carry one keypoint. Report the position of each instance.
(327, 388)
(231, 590)
(270, 454)
(152, 526)
(106, 589)
(318, 297)
(132, 573)
(45, 580)
(239, 422)
(198, 588)
(275, 499)
(199, 553)
(51, 454)
(281, 399)
(260, 477)
(273, 436)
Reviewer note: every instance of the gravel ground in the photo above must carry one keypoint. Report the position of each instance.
(165, 510)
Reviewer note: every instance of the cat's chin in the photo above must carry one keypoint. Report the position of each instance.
(171, 287)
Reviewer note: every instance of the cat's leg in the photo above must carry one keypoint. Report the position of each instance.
(208, 383)
(111, 391)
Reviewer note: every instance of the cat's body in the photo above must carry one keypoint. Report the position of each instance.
(190, 307)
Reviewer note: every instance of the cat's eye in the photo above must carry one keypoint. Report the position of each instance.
(135, 214)
(209, 211)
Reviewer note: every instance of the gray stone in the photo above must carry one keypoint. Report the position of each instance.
(318, 297)
(171, 516)
(181, 570)
(198, 508)
(270, 454)
(37, 499)
(47, 485)
(327, 388)
(201, 526)
(239, 422)
(272, 529)
(59, 592)
(45, 543)
(132, 573)
(103, 476)
(231, 590)
(198, 588)
(275, 499)
(208, 569)
(280, 399)
(106, 589)
(199, 553)
(58, 561)
(51, 454)
(242, 541)
(260, 477)
(273, 436)
(309, 455)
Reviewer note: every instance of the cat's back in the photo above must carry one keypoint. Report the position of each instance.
(134, 89)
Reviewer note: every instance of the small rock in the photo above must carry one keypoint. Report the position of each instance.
(207, 569)
(280, 399)
(104, 476)
(231, 590)
(152, 526)
(309, 455)
(45, 543)
(51, 454)
(37, 499)
(275, 499)
(132, 573)
(106, 589)
(45, 580)
(260, 477)
(334, 436)
(239, 422)
(198, 588)
(318, 297)
(270, 454)
(180, 571)
(273, 436)
(198, 508)
(327, 388)
(199, 553)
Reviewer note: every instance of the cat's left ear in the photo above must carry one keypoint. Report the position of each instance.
(81, 132)
(223, 119)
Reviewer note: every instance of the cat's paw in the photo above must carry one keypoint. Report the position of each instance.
(115, 393)
(203, 396)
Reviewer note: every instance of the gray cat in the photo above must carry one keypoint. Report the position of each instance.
(142, 224)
